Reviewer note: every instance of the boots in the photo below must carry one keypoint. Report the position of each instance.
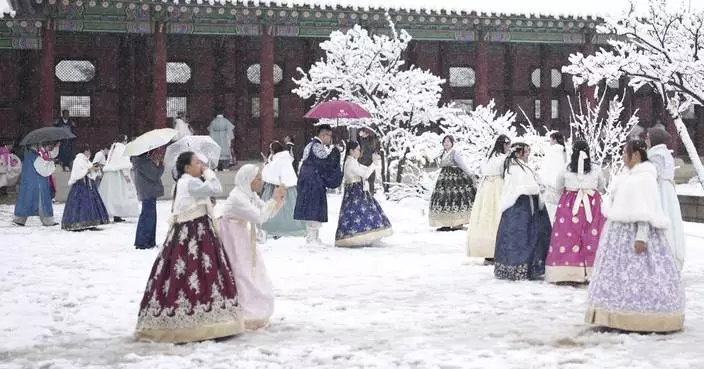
(312, 236)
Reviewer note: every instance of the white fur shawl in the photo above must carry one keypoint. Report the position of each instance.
(518, 181)
(635, 198)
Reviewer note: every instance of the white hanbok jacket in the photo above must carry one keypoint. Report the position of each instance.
(355, 172)
(519, 180)
(81, 168)
(279, 170)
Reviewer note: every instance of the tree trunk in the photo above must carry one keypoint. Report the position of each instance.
(691, 150)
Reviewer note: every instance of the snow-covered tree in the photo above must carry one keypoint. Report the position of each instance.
(663, 50)
(370, 71)
(606, 135)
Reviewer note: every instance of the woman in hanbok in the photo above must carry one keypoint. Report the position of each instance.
(84, 208)
(451, 200)
(524, 230)
(10, 168)
(191, 294)
(579, 220)
(117, 188)
(636, 284)
(279, 172)
(661, 157)
(362, 221)
(552, 165)
(485, 215)
(34, 193)
(238, 218)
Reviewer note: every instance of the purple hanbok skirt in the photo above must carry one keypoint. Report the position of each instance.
(635, 292)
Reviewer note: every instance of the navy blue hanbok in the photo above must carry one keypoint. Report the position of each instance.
(84, 207)
(319, 171)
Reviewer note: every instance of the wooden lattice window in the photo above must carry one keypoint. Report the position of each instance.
(177, 72)
(256, 107)
(77, 106)
(74, 71)
(254, 74)
(467, 105)
(554, 109)
(555, 77)
(462, 77)
(175, 105)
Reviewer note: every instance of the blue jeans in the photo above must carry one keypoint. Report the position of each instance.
(146, 226)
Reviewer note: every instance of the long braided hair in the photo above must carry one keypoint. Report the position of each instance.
(518, 148)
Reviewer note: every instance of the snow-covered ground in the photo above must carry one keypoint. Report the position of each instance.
(69, 300)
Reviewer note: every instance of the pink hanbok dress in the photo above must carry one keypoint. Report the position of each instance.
(238, 218)
(577, 227)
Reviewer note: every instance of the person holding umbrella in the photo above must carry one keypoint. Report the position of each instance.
(148, 169)
(320, 170)
(34, 194)
(147, 152)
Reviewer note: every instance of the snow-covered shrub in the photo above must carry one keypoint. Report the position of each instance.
(606, 135)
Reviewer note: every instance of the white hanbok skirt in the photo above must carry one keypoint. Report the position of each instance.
(119, 195)
(675, 232)
(254, 289)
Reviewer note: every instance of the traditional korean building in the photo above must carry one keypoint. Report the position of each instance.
(126, 66)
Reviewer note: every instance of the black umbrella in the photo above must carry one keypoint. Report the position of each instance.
(46, 134)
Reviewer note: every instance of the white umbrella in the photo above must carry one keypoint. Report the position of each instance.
(150, 141)
(207, 149)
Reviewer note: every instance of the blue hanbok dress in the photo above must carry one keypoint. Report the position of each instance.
(320, 170)
(362, 221)
(523, 237)
(84, 207)
(34, 194)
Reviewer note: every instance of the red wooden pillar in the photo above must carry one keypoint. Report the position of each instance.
(481, 92)
(585, 90)
(545, 87)
(159, 77)
(46, 86)
(266, 88)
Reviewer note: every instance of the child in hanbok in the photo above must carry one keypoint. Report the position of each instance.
(238, 218)
(279, 172)
(117, 187)
(362, 221)
(451, 200)
(636, 284)
(191, 294)
(578, 220)
(84, 207)
(524, 230)
(485, 215)
(661, 157)
(552, 165)
(34, 194)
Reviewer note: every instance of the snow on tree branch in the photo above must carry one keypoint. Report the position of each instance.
(606, 135)
(662, 50)
(370, 71)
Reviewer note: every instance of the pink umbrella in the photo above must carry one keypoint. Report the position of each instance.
(336, 109)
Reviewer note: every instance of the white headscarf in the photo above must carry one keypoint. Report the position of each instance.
(244, 178)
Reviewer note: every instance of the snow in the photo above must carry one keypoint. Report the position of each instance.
(690, 189)
(69, 300)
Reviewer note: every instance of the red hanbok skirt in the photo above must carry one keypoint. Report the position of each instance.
(191, 294)
(575, 238)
